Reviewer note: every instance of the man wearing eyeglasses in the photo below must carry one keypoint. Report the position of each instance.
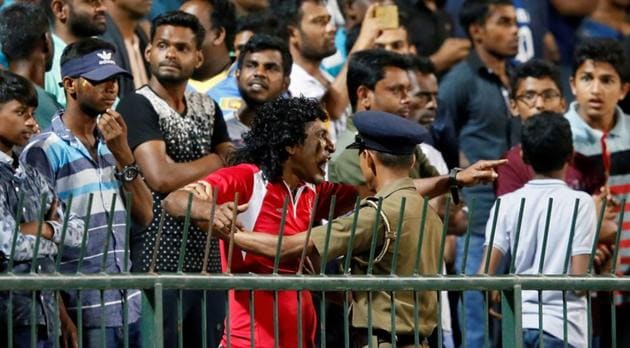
(535, 88)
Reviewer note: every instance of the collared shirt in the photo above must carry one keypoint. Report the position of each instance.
(73, 172)
(341, 231)
(28, 181)
(516, 173)
(474, 123)
(530, 248)
(344, 167)
(587, 145)
(264, 213)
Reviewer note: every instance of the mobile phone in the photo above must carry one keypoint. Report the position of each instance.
(388, 15)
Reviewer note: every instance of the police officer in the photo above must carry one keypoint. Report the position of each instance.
(386, 144)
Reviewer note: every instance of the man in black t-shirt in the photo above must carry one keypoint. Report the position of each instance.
(177, 137)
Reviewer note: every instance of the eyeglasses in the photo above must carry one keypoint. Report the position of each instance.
(529, 98)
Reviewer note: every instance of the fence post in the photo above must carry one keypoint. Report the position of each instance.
(511, 322)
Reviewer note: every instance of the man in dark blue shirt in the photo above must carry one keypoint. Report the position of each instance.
(474, 123)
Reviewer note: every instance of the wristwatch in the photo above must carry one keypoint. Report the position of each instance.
(129, 173)
(452, 183)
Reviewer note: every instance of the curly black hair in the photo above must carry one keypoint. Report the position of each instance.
(278, 124)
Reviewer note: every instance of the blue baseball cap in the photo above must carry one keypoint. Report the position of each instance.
(96, 66)
(385, 132)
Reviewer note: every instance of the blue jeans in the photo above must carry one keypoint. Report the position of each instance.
(531, 336)
(473, 308)
(114, 336)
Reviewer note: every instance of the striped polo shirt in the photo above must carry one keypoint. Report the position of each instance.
(73, 172)
(588, 146)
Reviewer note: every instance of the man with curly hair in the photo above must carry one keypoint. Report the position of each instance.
(284, 157)
(282, 163)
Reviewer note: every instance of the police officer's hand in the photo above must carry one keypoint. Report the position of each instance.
(225, 223)
(480, 172)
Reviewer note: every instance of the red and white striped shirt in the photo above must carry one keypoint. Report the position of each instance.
(265, 201)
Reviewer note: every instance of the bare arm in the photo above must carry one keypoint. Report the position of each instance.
(163, 175)
(579, 266)
(176, 204)
(266, 244)
(477, 173)
(114, 130)
(495, 260)
(452, 51)
(336, 98)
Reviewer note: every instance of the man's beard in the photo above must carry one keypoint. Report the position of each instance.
(81, 26)
(251, 102)
(167, 79)
(311, 52)
(90, 110)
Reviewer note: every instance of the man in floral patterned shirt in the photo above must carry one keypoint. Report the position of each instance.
(18, 232)
(177, 137)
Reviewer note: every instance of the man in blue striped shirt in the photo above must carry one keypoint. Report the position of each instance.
(85, 155)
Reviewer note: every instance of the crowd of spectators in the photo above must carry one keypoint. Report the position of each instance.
(110, 108)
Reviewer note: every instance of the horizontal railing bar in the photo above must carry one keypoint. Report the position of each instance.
(9, 281)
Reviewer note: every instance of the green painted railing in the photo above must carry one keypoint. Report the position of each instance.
(510, 285)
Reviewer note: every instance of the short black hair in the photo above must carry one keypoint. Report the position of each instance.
(261, 42)
(22, 28)
(477, 11)
(546, 141)
(278, 124)
(16, 87)
(291, 10)
(602, 50)
(538, 69)
(394, 161)
(179, 19)
(367, 67)
(263, 22)
(84, 46)
(421, 64)
(224, 16)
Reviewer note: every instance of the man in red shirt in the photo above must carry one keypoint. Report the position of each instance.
(284, 159)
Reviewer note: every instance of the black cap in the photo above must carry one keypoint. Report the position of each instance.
(385, 132)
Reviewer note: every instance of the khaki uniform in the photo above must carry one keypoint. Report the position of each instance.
(344, 166)
(340, 237)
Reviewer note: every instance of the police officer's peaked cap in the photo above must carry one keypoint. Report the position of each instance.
(385, 132)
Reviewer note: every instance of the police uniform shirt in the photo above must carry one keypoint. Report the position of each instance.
(340, 237)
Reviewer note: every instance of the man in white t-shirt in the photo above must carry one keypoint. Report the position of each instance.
(547, 147)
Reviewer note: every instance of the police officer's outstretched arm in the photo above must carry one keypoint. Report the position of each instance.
(266, 244)
(481, 172)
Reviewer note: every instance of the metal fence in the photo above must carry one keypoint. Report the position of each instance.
(510, 285)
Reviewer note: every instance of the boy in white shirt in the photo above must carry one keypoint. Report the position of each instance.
(547, 147)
